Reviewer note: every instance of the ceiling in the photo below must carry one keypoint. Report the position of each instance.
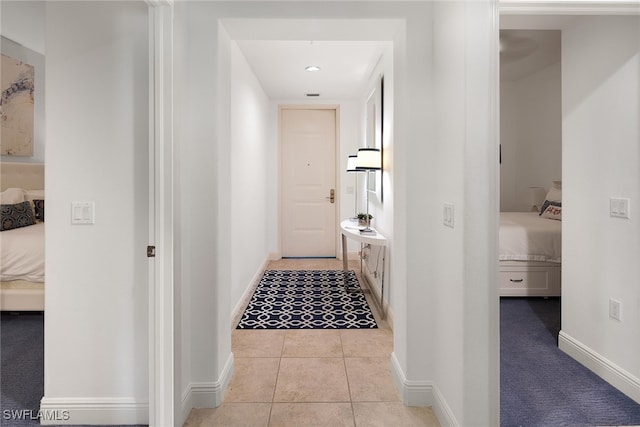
(524, 52)
(279, 56)
(345, 66)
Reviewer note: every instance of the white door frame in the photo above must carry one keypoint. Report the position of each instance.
(336, 108)
(162, 402)
(552, 10)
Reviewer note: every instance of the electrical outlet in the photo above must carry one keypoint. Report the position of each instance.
(614, 309)
(448, 214)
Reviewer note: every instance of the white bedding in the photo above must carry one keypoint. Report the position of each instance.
(22, 254)
(525, 236)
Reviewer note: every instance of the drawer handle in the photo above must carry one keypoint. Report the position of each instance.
(516, 280)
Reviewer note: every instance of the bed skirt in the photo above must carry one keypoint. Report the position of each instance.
(20, 295)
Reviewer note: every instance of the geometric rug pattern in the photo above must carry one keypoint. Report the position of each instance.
(307, 299)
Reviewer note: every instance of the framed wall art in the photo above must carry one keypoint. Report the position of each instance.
(19, 68)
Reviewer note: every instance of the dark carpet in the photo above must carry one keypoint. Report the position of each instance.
(542, 386)
(307, 299)
(22, 369)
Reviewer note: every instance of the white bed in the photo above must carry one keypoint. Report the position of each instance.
(530, 255)
(22, 249)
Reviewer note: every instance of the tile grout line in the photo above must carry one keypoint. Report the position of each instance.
(346, 373)
(275, 386)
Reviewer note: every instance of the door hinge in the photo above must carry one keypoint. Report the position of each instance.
(151, 251)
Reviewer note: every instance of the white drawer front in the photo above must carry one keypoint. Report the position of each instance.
(524, 279)
(531, 281)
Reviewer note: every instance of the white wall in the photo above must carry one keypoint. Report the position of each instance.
(416, 256)
(182, 227)
(22, 24)
(601, 160)
(464, 317)
(96, 351)
(511, 196)
(253, 139)
(202, 247)
(351, 135)
(531, 136)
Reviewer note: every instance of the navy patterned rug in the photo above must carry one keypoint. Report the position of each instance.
(307, 299)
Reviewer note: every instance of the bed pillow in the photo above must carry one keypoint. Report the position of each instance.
(554, 195)
(11, 196)
(552, 211)
(38, 209)
(36, 197)
(16, 216)
(548, 203)
(34, 194)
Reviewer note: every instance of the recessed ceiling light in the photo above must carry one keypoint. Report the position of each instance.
(312, 68)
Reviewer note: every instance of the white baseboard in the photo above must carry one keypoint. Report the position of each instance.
(422, 393)
(206, 394)
(442, 409)
(92, 410)
(604, 368)
(248, 293)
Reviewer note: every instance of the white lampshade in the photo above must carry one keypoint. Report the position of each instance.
(535, 196)
(369, 159)
(352, 162)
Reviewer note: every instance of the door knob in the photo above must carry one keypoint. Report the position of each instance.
(332, 196)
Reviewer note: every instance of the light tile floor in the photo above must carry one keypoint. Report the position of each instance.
(313, 377)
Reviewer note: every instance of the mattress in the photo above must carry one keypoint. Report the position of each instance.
(526, 236)
(22, 254)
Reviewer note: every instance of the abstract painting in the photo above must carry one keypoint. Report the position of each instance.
(16, 107)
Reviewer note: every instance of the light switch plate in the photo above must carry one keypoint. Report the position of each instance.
(619, 207)
(83, 213)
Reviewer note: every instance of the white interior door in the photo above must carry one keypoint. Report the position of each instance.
(308, 209)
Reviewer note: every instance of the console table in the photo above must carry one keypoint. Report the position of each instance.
(351, 230)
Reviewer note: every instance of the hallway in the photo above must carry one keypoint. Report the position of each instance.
(313, 377)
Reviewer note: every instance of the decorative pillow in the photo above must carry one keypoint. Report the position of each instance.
(553, 212)
(11, 196)
(548, 203)
(38, 209)
(35, 196)
(16, 216)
